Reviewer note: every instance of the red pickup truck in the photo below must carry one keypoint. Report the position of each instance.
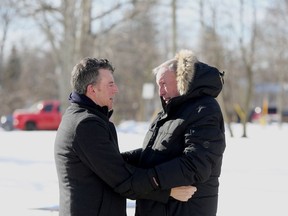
(43, 115)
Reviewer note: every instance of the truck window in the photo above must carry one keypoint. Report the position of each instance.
(48, 107)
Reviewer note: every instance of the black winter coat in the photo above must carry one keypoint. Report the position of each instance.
(186, 143)
(89, 165)
(83, 190)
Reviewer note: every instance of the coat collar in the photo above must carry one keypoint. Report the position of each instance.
(83, 100)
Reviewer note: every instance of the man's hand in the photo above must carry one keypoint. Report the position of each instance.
(183, 193)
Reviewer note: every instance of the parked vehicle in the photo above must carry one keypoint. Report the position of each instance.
(272, 115)
(43, 115)
(7, 122)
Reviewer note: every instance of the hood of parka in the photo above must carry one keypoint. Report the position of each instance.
(195, 78)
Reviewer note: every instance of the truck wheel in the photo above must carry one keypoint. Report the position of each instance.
(30, 126)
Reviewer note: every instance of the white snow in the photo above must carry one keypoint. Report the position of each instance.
(253, 181)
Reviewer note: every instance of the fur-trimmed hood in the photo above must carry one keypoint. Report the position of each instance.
(196, 78)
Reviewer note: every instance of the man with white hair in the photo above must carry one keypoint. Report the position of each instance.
(186, 138)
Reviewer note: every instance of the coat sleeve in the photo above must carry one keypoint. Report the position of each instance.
(162, 196)
(132, 157)
(158, 194)
(97, 150)
(204, 147)
(101, 154)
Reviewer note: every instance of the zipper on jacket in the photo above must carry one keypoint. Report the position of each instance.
(153, 137)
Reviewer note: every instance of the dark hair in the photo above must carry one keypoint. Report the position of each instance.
(86, 72)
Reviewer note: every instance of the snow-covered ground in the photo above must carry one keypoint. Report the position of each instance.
(253, 182)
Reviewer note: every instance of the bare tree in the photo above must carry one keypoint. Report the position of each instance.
(132, 50)
(174, 26)
(13, 69)
(275, 26)
(7, 13)
(213, 50)
(247, 53)
(68, 28)
(129, 32)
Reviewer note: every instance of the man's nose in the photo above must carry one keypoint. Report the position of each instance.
(116, 90)
(161, 91)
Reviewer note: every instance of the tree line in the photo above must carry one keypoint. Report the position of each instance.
(246, 39)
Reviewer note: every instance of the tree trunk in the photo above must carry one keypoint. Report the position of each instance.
(67, 50)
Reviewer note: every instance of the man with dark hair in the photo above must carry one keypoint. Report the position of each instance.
(93, 177)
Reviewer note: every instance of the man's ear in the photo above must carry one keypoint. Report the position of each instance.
(90, 89)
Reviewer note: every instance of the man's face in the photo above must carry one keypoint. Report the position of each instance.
(166, 81)
(105, 89)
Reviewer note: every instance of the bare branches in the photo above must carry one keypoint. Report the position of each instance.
(111, 10)
(128, 15)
